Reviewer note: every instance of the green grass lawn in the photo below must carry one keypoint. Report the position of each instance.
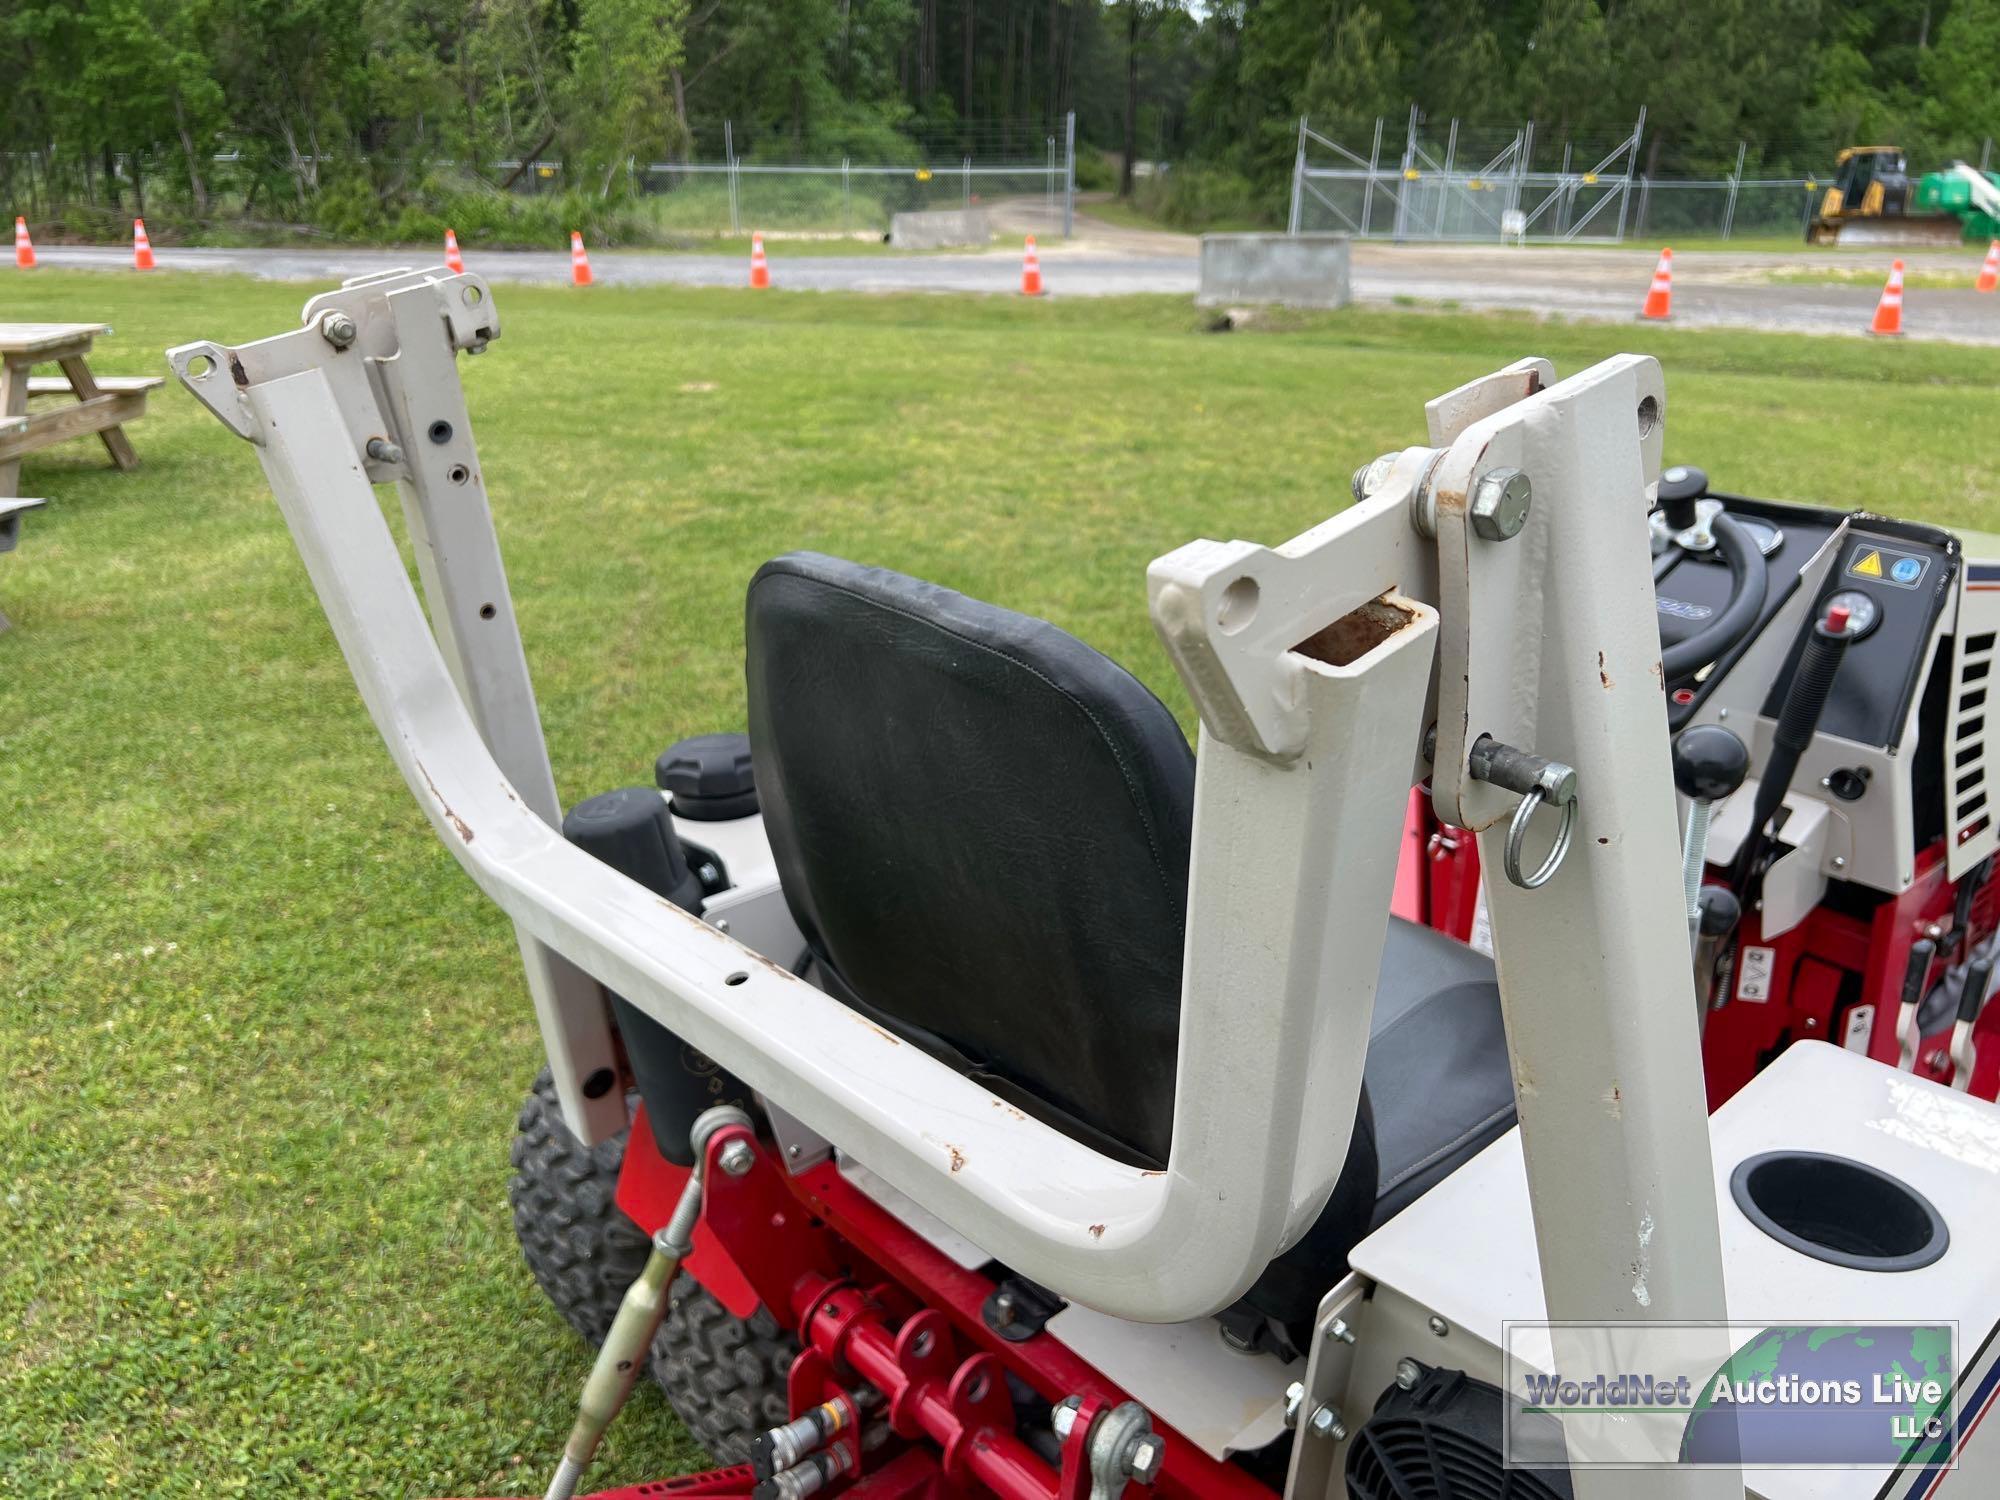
(262, 1041)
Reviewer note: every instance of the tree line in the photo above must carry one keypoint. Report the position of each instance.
(285, 109)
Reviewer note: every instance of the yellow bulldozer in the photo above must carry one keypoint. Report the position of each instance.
(1872, 201)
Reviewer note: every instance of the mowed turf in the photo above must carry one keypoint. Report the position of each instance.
(263, 1043)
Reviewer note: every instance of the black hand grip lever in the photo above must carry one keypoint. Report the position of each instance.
(1805, 699)
(1978, 976)
(1964, 1055)
(1918, 972)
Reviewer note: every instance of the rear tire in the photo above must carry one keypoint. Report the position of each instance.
(724, 1376)
(582, 1249)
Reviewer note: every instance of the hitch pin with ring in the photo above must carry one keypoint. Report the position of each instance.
(1538, 780)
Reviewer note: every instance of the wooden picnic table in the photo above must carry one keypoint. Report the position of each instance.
(86, 404)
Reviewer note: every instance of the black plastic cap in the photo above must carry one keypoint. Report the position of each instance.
(709, 777)
(1720, 911)
(1710, 762)
(1680, 486)
(629, 830)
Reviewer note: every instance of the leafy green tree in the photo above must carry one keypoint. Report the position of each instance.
(619, 100)
(1963, 75)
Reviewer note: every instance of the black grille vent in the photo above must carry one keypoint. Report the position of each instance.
(1440, 1440)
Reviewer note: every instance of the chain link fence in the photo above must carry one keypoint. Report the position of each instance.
(738, 193)
(1417, 182)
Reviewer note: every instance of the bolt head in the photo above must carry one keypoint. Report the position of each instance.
(1500, 503)
(338, 329)
(1370, 476)
(1438, 1326)
(737, 1157)
(1407, 1374)
(1145, 1458)
(1295, 1397)
(1339, 1331)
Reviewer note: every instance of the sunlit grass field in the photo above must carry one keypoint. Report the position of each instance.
(262, 1043)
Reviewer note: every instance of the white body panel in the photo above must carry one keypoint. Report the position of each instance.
(1815, 1097)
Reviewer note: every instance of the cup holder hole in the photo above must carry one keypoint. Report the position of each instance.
(1843, 1212)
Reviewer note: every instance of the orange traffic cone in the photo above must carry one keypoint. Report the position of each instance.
(1889, 311)
(760, 269)
(1031, 270)
(142, 248)
(24, 250)
(1660, 296)
(579, 263)
(453, 261)
(1989, 274)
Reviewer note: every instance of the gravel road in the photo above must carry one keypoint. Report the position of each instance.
(1711, 288)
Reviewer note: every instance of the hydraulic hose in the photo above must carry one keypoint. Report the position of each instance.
(1748, 580)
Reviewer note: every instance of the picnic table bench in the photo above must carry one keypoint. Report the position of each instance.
(11, 512)
(99, 404)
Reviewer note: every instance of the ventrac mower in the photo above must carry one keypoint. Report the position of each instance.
(1574, 914)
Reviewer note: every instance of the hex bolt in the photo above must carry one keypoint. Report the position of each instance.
(1144, 1458)
(1500, 503)
(1063, 1417)
(1326, 1424)
(338, 329)
(736, 1157)
(1408, 1373)
(1370, 476)
(1339, 1332)
(1438, 1326)
(1295, 1397)
(383, 451)
(1005, 1313)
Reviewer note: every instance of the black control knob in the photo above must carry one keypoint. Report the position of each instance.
(1720, 912)
(1710, 762)
(1680, 486)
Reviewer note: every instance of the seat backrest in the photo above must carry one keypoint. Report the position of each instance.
(982, 827)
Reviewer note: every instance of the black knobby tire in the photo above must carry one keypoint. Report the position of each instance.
(583, 1250)
(723, 1376)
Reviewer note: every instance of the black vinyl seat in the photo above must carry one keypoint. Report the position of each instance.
(982, 827)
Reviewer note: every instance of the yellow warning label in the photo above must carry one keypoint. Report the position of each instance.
(1868, 565)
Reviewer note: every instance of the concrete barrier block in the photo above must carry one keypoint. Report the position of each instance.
(938, 229)
(1298, 270)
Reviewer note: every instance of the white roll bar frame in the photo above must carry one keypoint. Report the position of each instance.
(1311, 665)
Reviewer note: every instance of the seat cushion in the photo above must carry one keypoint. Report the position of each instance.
(1437, 1063)
(1437, 1089)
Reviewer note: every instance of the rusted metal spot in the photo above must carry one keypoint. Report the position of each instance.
(888, 1036)
(236, 371)
(957, 1156)
(1356, 633)
(1603, 676)
(1097, 1231)
(464, 829)
(1003, 1104)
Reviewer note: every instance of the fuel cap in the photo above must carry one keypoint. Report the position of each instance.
(708, 778)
